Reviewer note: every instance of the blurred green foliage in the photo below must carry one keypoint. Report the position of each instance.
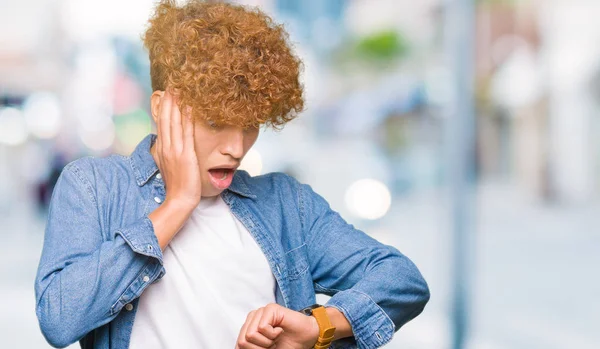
(381, 46)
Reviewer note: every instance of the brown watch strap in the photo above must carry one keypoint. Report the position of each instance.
(326, 329)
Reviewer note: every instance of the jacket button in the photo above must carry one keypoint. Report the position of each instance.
(146, 278)
(129, 307)
(157, 199)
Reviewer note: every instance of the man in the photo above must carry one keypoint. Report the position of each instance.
(172, 247)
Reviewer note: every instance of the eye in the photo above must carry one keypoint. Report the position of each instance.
(213, 125)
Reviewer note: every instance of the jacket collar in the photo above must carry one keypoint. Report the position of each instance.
(144, 167)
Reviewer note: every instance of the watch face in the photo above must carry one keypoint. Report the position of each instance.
(309, 310)
(306, 311)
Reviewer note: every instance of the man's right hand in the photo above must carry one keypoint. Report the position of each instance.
(176, 159)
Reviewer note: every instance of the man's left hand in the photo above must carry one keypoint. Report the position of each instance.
(276, 326)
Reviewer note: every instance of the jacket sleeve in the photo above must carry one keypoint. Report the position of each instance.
(84, 279)
(376, 287)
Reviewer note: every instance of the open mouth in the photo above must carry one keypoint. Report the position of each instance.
(221, 177)
(220, 173)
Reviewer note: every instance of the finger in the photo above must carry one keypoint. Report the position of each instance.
(158, 125)
(176, 132)
(158, 149)
(265, 326)
(252, 333)
(188, 131)
(247, 345)
(164, 120)
(241, 340)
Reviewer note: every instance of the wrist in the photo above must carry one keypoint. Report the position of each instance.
(325, 329)
(314, 331)
(180, 205)
(168, 219)
(339, 321)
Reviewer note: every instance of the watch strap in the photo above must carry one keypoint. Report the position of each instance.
(326, 329)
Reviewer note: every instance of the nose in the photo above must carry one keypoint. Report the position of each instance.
(233, 144)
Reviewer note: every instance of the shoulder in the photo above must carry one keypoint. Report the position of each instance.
(269, 184)
(278, 187)
(91, 166)
(92, 171)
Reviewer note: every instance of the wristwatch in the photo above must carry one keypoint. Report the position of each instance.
(326, 329)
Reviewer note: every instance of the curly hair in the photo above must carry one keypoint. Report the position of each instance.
(231, 64)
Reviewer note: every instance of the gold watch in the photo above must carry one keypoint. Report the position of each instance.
(326, 329)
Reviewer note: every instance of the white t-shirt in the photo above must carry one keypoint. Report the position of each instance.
(215, 275)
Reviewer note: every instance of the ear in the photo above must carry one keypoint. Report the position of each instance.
(155, 101)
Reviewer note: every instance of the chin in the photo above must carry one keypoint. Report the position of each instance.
(211, 193)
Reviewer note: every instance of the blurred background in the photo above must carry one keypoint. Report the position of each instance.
(466, 134)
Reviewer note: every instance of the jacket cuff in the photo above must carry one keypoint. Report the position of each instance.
(371, 326)
(141, 238)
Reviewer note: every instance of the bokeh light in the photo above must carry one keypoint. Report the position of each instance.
(98, 139)
(368, 199)
(13, 130)
(43, 115)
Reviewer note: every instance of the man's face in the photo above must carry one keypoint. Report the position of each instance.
(220, 151)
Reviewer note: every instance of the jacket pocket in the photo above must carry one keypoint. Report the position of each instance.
(296, 262)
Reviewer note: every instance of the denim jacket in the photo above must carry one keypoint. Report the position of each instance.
(100, 253)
